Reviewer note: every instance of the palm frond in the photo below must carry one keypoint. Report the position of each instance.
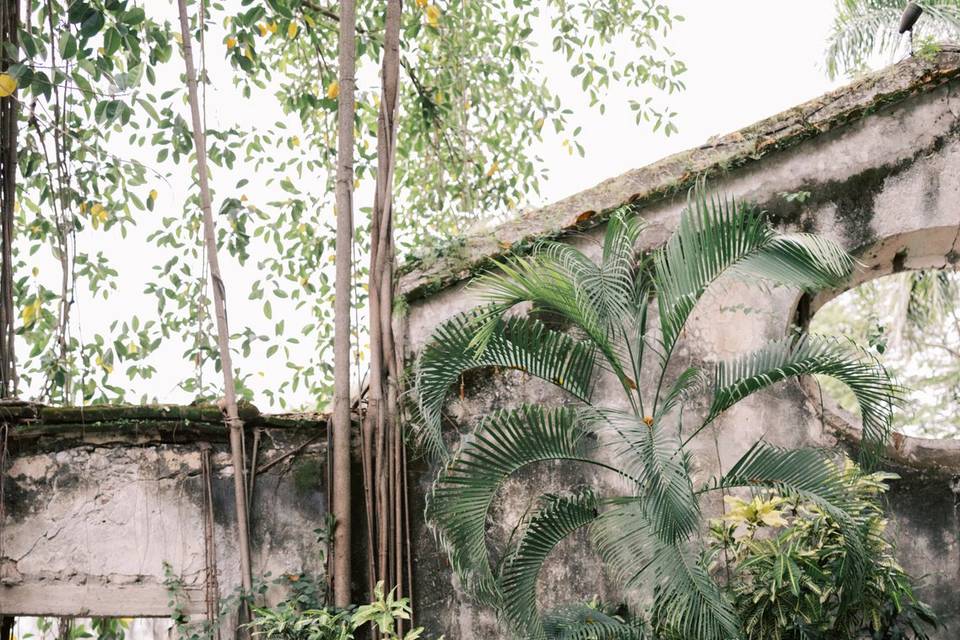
(688, 383)
(582, 622)
(808, 473)
(807, 355)
(718, 236)
(558, 518)
(561, 279)
(523, 344)
(462, 494)
(687, 601)
(651, 456)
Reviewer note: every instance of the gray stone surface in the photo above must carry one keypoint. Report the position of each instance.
(881, 162)
(89, 522)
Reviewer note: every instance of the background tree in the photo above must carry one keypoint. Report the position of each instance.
(911, 322)
(864, 29)
(104, 128)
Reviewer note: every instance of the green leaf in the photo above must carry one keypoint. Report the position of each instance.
(68, 46)
(523, 344)
(798, 355)
(92, 24)
(557, 519)
(503, 444)
(134, 16)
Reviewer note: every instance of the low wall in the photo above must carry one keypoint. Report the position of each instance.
(96, 502)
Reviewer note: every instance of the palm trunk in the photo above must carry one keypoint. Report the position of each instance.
(220, 309)
(342, 572)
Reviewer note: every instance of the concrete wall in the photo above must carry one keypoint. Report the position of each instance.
(884, 181)
(90, 517)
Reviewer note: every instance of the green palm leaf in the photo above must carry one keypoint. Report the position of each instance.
(651, 455)
(463, 492)
(718, 236)
(523, 344)
(687, 601)
(581, 622)
(596, 299)
(558, 518)
(807, 355)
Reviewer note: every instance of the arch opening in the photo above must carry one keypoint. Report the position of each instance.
(910, 321)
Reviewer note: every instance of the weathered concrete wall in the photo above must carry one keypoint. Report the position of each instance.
(881, 163)
(93, 511)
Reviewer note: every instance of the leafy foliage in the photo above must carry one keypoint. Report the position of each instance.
(786, 573)
(103, 143)
(646, 536)
(290, 622)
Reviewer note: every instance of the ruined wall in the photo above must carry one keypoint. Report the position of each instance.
(880, 161)
(94, 509)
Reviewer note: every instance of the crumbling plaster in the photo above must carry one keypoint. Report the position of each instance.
(91, 517)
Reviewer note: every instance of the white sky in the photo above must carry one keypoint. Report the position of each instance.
(747, 59)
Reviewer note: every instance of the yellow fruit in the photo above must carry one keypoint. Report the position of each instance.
(421, 3)
(333, 90)
(272, 27)
(231, 43)
(295, 141)
(154, 195)
(433, 15)
(264, 30)
(133, 347)
(31, 312)
(8, 84)
(106, 366)
(493, 168)
(292, 30)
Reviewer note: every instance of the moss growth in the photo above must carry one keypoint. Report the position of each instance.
(308, 476)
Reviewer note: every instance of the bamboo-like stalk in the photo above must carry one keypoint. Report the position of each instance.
(346, 105)
(381, 424)
(220, 308)
(9, 107)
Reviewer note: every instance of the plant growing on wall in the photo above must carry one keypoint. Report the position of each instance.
(627, 313)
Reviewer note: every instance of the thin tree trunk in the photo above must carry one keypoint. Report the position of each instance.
(381, 426)
(342, 572)
(220, 309)
(9, 107)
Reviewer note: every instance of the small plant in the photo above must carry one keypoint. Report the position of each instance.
(786, 557)
(288, 622)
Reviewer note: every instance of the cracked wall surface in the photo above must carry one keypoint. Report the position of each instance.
(88, 527)
(880, 161)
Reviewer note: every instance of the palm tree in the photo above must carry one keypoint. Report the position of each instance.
(628, 312)
(864, 28)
